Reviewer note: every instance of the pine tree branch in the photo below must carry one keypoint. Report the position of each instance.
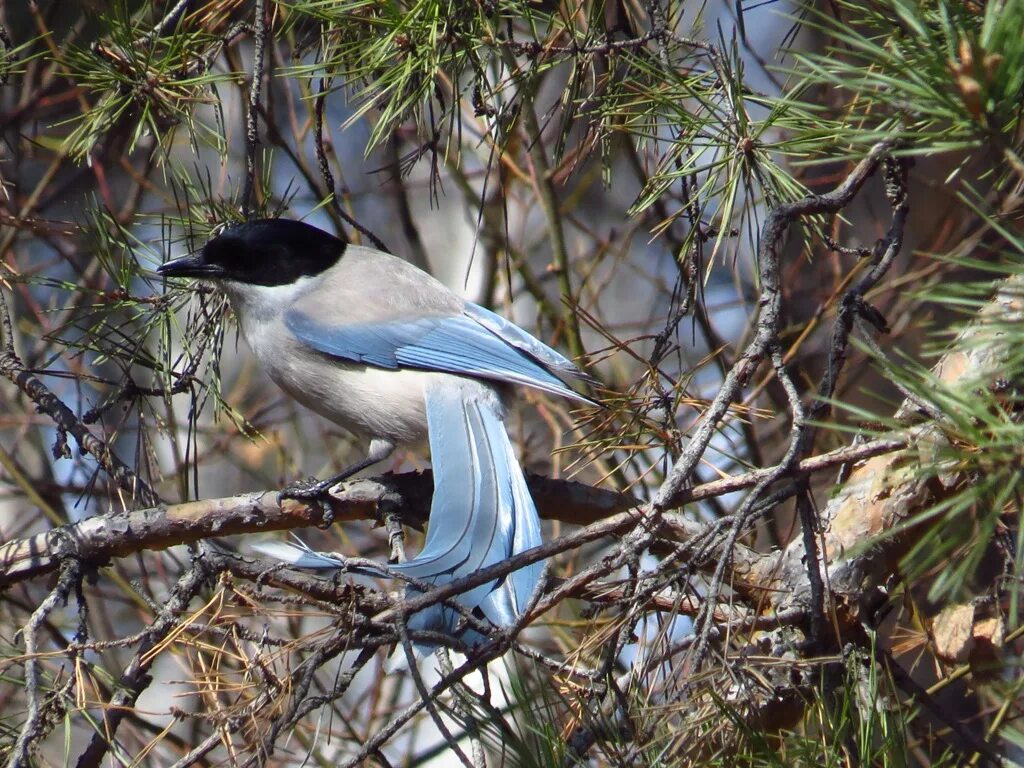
(107, 536)
(881, 495)
(66, 421)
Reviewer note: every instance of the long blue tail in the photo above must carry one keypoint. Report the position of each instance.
(481, 512)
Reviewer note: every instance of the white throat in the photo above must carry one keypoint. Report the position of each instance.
(263, 303)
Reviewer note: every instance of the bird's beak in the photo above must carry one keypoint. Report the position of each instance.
(192, 265)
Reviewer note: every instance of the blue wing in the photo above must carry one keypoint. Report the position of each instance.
(476, 343)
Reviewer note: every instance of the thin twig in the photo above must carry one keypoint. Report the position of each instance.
(765, 342)
(33, 730)
(320, 149)
(135, 678)
(775, 228)
(64, 418)
(252, 135)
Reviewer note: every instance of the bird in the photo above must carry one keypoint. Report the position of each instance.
(392, 355)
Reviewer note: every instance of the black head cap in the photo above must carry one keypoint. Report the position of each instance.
(262, 252)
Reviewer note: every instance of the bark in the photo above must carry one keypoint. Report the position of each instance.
(884, 492)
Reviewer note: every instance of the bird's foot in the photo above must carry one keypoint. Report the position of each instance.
(313, 491)
(307, 489)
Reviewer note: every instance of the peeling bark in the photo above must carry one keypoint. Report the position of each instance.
(865, 527)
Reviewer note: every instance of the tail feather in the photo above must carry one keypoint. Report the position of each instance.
(512, 597)
(298, 554)
(527, 533)
(498, 519)
(456, 484)
(480, 515)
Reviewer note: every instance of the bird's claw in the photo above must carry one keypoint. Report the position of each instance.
(307, 489)
(310, 490)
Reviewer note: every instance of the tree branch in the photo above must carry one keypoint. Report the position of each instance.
(103, 537)
(880, 496)
(64, 418)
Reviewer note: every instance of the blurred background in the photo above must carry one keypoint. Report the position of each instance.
(599, 172)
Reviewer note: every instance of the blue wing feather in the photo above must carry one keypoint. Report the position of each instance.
(512, 334)
(471, 344)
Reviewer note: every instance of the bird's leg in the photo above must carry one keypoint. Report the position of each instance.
(313, 489)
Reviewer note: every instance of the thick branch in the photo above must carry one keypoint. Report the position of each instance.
(100, 538)
(884, 492)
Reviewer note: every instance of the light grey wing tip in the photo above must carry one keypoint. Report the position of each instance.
(572, 394)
